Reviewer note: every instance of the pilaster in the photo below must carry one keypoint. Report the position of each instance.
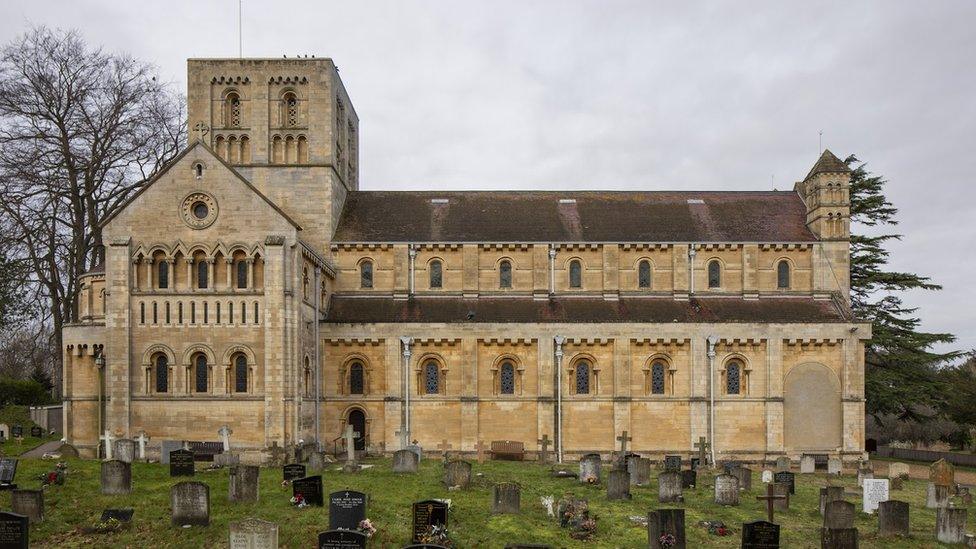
(118, 327)
(469, 270)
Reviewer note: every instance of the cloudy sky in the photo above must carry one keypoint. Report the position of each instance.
(622, 95)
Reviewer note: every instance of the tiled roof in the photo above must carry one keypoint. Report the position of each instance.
(828, 163)
(582, 216)
(356, 310)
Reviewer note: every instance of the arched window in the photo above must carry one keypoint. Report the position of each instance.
(575, 274)
(506, 383)
(302, 150)
(366, 274)
(240, 374)
(505, 274)
(783, 275)
(233, 110)
(644, 274)
(657, 378)
(242, 274)
(308, 378)
(305, 282)
(431, 378)
(291, 110)
(733, 378)
(202, 274)
(162, 274)
(582, 377)
(714, 274)
(162, 374)
(436, 274)
(356, 379)
(200, 362)
(198, 170)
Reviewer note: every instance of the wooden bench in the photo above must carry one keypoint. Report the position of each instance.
(507, 449)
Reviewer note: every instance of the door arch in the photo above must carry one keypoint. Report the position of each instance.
(357, 418)
(812, 409)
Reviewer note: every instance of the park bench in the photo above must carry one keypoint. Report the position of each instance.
(507, 449)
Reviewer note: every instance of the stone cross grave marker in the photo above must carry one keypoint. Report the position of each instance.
(347, 509)
(253, 533)
(403, 437)
(310, 489)
(29, 503)
(116, 477)
(663, 522)
(350, 435)
(142, 439)
(107, 438)
(243, 483)
(506, 498)
(726, 490)
(225, 432)
(702, 446)
(760, 534)
(623, 439)
(544, 448)
(893, 518)
(345, 539)
(444, 446)
(669, 487)
(950, 525)
(480, 448)
(182, 463)
(875, 491)
(770, 499)
(14, 530)
(428, 513)
(190, 504)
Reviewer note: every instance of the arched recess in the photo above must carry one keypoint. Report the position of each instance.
(357, 417)
(228, 363)
(812, 409)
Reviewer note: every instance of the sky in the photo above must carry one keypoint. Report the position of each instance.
(622, 95)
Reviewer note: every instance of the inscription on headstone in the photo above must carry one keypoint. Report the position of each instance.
(310, 488)
(293, 471)
(181, 463)
(8, 471)
(190, 504)
(669, 487)
(426, 514)
(253, 533)
(346, 510)
(116, 477)
(726, 490)
(760, 535)
(342, 539)
(14, 531)
(672, 463)
(788, 478)
(875, 491)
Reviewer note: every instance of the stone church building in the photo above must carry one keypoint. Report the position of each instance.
(253, 284)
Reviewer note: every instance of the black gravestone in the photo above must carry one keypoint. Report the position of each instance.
(310, 488)
(346, 510)
(342, 539)
(293, 471)
(37, 432)
(672, 463)
(181, 463)
(689, 478)
(695, 462)
(428, 513)
(788, 478)
(728, 466)
(424, 546)
(17, 431)
(760, 535)
(121, 515)
(8, 470)
(14, 530)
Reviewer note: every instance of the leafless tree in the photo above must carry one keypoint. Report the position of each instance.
(81, 130)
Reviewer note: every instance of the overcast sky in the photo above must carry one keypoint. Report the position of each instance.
(622, 95)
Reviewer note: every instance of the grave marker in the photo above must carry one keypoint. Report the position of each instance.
(838, 515)
(405, 461)
(666, 522)
(121, 515)
(181, 463)
(224, 433)
(29, 503)
(457, 473)
(253, 533)
(346, 509)
(17, 431)
(618, 485)
(428, 513)
(293, 471)
(950, 525)
(807, 464)
(14, 531)
(190, 504)
(874, 492)
(726, 490)
(672, 463)
(702, 446)
(942, 473)
(341, 539)
(124, 449)
(767, 476)
(770, 499)
(689, 478)
(116, 477)
(828, 494)
(639, 469)
(506, 498)
(8, 471)
(142, 439)
(788, 478)
(589, 469)
(936, 496)
(898, 469)
(782, 463)
(479, 449)
(834, 466)
(36, 432)
(106, 439)
(243, 483)
(310, 488)
(893, 518)
(744, 476)
(544, 448)
(669, 487)
(838, 538)
(760, 534)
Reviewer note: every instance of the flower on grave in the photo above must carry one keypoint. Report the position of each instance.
(299, 501)
(437, 534)
(366, 527)
(667, 540)
(590, 479)
(285, 483)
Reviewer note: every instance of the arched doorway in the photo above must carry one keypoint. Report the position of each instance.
(357, 418)
(812, 409)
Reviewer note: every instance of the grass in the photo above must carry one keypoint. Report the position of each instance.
(79, 503)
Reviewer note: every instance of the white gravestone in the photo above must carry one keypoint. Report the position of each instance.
(142, 440)
(767, 476)
(108, 438)
(225, 433)
(875, 491)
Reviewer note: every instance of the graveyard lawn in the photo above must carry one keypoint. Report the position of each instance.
(78, 504)
(14, 448)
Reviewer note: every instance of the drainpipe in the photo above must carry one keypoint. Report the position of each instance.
(552, 271)
(100, 367)
(559, 340)
(412, 252)
(405, 384)
(711, 395)
(691, 268)
(318, 365)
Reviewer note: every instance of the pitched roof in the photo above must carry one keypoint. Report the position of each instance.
(573, 216)
(828, 163)
(356, 310)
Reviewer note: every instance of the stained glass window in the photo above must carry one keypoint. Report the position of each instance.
(657, 378)
(733, 373)
(783, 275)
(201, 378)
(356, 379)
(240, 374)
(436, 274)
(583, 378)
(366, 274)
(431, 378)
(162, 374)
(507, 380)
(714, 274)
(505, 274)
(644, 274)
(575, 274)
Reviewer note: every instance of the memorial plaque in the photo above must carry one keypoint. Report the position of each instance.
(346, 510)
(428, 513)
(689, 478)
(14, 531)
(786, 477)
(875, 491)
(36, 432)
(760, 535)
(181, 463)
(342, 539)
(121, 515)
(310, 489)
(253, 533)
(293, 471)
(672, 463)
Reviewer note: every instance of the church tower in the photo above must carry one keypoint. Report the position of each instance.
(288, 126)
(826, 193)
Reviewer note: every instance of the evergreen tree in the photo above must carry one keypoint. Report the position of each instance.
(901, 368)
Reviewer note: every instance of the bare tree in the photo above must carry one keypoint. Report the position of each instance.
(81, 130)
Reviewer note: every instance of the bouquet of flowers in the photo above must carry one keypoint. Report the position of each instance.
(299, 501)
(667, 540)
(436, 534)
(366, 527)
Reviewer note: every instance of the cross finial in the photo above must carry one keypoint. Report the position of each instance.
(201, 129)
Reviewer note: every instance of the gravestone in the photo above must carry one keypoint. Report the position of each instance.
(669, 487)
(874, 492)
(167, 446)
(782, 463)
(936, 496)
(316, 461)
(428, 513)
(767, 476)
(640, 470)
(897, 482)
(181, 463)
(672, 463)
(950, 525)
(666, 522)
(124, 449)
(744, 475)
(226, 459)
(417, 449)
(942, 473)
(310, 488)
(253, 533)
(29, 503)
(4, 431)
(726, 490)
(787, 477)
(346, 510)
(457, 473)
(618, 485)
(405, 461)
(695, 463)
(243, 483)
(838, 514)
(341, 539)
(838, 538)
(36, 432)
(862, 474)
(506, 498)
(190, 504)
(807, 464)
(893, 518)
(834, 466)
(689, 478)
(760, 535)
(121, 515)
(729, 465)
(781, 489)
(8, 472)
(14, 531)
(116, 477)
(589, 469)
(898, 469)
(293, 471)
(828, 494)
(67, 451)
(17, 431)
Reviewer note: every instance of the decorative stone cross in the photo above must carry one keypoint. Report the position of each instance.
(480, 447)
(770, 499)
(201, 130)
(225, 432)
(544, 448)
(623, 439)
(702, 445)
(108, 438)
(350, 437)
(142, 440)
(444, 447)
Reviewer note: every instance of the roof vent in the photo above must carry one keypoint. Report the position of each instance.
(695, 201)
(567, 201)
(439, 200)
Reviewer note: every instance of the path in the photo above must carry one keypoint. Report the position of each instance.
(42, 449)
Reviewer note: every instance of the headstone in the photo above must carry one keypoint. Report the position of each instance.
(897, 483)
(167, 446)
(224, 433)
(342, 539)
(121, 515)
(253, 533)
(760, 535)
(893, 518)
(190, 504)
(226, 459)
(788, 478)
(729, 465)
(14, 531)
(936, 496)
(781, 489)
(36, 432)
(29, 503)
(243, 483)
(672, 463)
(457, 473)
(639, 469)
(666, 524)
(744, 475)
(67, 451)
(689, 478)
(726, 490)
(141, 440)
(181, 463)
(828, 494)
(316, 461)
(899, 469)
(116, 477)
(124, 449)
(875, 491)
(405, 461)
(17, 431)
(807, 464)
(696, 463)
(950, 524)
(942, 473)
(428, 513)
(767, 476)
(838, 538)
(782, 463)
(862, 474)
(293, 471)
(669, 487)
(8, 472)
(417, 449)
(506, 498)
(310, 489)
(346, 510)
(589, 469)
(838, 514)
(618, 485)
(834, 466)
(4, 431)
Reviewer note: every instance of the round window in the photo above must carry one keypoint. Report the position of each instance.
(200, 210)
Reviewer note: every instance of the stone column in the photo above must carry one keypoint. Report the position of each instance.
(189, 273)
(148, 262)
(229, 264)
(250, 272)
(210, 275)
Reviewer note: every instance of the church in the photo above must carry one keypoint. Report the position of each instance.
(252, 284)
